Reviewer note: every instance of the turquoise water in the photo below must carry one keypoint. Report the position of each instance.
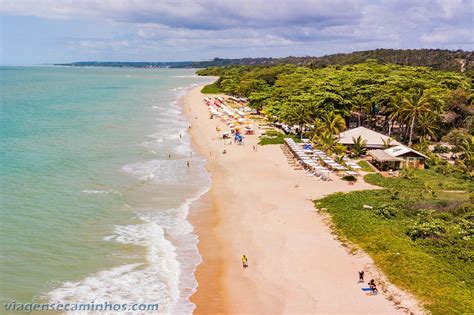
(92, 206)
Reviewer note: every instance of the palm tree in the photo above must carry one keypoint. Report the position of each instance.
(297, 115)
(413, 107)
(466, 147)
(360, 103)
(327, 141)
(395, 111)
(330, 122)
(359, 146)
(422, 146)
(340, 158)
(427, 124)
(386, 143)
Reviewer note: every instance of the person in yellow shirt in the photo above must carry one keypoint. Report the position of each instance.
(244, 261)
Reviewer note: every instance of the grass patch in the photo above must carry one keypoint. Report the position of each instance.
(275, 137)
(420, 232)
(211, 89)
(365, 166)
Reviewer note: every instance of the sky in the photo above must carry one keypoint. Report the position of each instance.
(57, 31)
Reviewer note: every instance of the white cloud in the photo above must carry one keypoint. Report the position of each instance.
(193, 29)
(449, 36)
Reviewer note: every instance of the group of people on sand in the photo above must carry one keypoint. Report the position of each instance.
(371, 283)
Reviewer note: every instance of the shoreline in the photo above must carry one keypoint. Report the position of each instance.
(263, 208)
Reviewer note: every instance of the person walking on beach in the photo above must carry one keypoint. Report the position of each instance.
(187, 163)
(244, 261)
(361, 275)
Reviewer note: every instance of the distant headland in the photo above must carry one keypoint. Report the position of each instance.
(438, 59)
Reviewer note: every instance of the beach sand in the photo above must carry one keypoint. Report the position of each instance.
(262, 207)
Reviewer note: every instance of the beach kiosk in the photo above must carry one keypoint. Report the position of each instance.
(384, 161)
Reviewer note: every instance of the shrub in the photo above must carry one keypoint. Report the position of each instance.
(465, 229)
(440, 149)
(433, 228)
(456, 137)
(211, 89)
(387, 211)
(349, 178)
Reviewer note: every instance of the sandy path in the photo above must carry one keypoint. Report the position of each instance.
(262, 208)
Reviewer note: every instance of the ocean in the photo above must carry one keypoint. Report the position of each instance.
(95, 188)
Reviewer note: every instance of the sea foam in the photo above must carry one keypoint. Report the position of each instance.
(159, 280)
(166, 274)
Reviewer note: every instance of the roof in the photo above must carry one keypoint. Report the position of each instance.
(382, 156)
(401, 149)
(373, 138)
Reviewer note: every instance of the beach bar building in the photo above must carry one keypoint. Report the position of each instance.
(396, 157)
(412, 158)
(375, 140)
(384, 161)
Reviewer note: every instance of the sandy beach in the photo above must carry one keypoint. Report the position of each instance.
(262, 207)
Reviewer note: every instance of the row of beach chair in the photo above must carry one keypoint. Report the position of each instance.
(309, 158)
(309, 164)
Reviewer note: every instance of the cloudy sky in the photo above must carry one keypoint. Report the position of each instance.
(49, 31)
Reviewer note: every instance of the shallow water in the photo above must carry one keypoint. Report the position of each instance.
(92, 206)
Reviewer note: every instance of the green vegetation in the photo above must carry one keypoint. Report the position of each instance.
(275, 137)
(435, 58)
(420, 232)
(349, 178)
(359, 146)
(415, 105)
(211, 89)
(365, 166)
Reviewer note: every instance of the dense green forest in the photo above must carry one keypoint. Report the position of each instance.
(415, 105)
(438, 59)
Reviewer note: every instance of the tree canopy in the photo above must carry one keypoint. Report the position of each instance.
(371, 90)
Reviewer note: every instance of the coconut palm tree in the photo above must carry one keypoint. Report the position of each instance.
(386, 143)
(422, 146)
(327, 141)
(360, 104)
(330, 122)
(413, 106)
(395, 109)
(427, 124)
(359, 147)
(466, 148)
(297, 115)
(340, 158)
